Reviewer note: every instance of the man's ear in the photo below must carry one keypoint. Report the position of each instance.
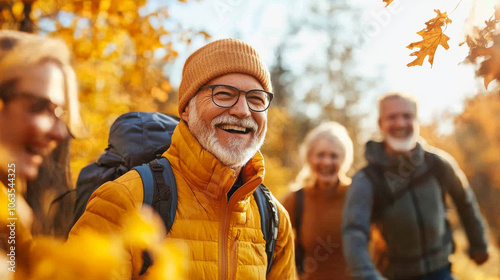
(185, 113)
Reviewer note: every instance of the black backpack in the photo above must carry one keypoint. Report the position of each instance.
(136, 141)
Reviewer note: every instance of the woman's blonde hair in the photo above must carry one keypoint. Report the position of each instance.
(20, 51)
(332, 131)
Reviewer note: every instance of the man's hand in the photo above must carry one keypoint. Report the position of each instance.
(479, 258)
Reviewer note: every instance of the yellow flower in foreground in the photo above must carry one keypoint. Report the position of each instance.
(170, 262)
(89, 256)
(144, 229)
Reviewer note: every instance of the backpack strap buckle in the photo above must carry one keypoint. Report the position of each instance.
(155, 166)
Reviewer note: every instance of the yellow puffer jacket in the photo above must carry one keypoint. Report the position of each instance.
(224, 238)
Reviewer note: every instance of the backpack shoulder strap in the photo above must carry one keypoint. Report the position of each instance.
(382, 196)
(436, 166)
(165, 198)
(160, 192)
(147, 182)
(299, 208)
(299, 250)
(160, 189)
(269, 220)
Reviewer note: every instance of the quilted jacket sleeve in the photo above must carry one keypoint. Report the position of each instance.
(106, 209)
(284, 253)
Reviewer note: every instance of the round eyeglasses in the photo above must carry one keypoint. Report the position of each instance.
(42, 105)
(227, 96)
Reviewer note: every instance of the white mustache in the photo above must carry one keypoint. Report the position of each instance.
(246, 122)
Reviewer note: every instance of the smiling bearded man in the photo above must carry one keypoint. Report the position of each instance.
(223, 100)
(206, 135)
(403, 191)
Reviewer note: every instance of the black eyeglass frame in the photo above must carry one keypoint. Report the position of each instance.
(212, 87)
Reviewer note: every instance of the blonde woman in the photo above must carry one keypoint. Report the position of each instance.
(315, 207)
(38, 103)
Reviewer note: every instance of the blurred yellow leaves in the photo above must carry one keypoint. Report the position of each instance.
(432, 37)
(17, 9)
(277, 176)
(145, 231)
(120, 48)
(91, 255)
(484, 44)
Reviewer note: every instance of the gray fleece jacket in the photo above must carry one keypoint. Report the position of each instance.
(414, 227)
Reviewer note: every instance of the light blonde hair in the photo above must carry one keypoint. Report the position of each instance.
(20, 51)
(332, 131)
(410, 98)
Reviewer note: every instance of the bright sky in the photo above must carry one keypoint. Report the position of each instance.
(387, 32)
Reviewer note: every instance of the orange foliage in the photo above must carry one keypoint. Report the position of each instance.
(120, 48)
(485, 43)
(387, 2)
(477, 131)
(278, 176)
(94, 256)
(432, 37)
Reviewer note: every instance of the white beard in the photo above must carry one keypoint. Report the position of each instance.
(403, 145)
(236, 154)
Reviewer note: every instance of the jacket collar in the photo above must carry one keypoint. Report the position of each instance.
(375, 153)
(202, 170)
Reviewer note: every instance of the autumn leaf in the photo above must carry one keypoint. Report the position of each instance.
(432, 37)
(490, 67)
(387, 2)
(485, 44)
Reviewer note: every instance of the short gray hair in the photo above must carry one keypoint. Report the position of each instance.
(410, 98)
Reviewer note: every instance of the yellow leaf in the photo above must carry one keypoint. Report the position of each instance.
(17, 9)
(166, 86)
(490, 67)
(208, 36)
(159, 94)
(432, 37)
(387, 2)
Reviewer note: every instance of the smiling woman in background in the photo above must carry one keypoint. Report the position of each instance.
(38, 103)
(316, 208)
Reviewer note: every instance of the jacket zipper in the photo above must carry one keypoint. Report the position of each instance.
(234, 258)
(423, 238)
(223, 245)
(223, 241)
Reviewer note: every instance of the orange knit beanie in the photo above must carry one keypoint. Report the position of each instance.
(219, 58)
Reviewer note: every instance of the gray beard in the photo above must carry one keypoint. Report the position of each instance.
(233, 156)
(403, 145)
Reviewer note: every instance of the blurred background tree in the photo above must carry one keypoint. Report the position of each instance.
(120, 48)
(475, 144)
(314, 80)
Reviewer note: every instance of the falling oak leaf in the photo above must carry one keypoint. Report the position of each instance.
(485, 44)
(387, 2)
(432, 37)
(490, 67)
